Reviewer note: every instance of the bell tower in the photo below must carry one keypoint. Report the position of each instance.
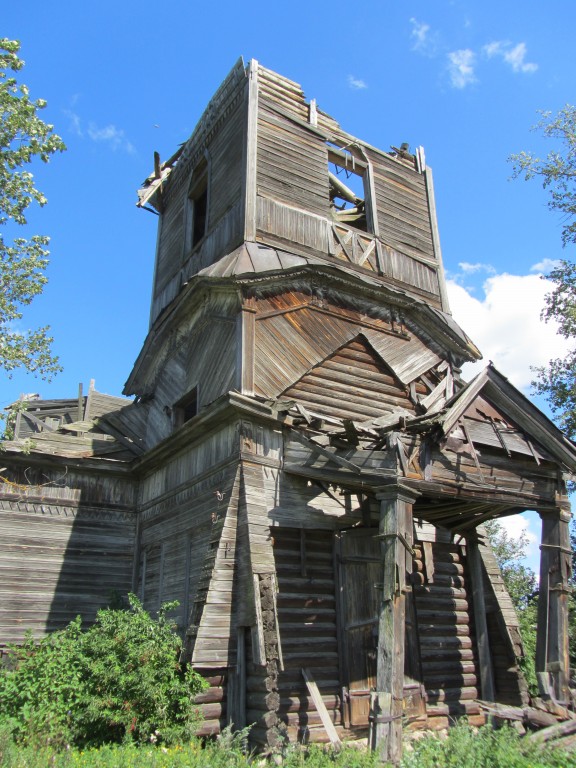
(287, 246)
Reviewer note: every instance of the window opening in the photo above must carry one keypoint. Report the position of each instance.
(200, 204)
(197, 205)
(348, 183)
(186, 408)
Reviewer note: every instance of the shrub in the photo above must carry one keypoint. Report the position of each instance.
(118, 681)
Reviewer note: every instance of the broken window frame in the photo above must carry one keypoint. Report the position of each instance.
(351, 164)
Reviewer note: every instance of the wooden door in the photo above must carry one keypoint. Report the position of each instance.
(359, 574)
(359, 571)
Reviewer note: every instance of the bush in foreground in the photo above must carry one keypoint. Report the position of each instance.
(118, 681)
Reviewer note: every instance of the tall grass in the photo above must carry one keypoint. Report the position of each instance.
(464, 747)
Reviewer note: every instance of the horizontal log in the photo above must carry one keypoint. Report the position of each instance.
(448, 680)
(456, 708)
(209, 728)
(453, 694)
(210, 696)
(263, 701)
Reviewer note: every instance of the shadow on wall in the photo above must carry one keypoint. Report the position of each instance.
(68, 539)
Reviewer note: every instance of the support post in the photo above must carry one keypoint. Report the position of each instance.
(482, 640)
(246, 346)
(396, 536)
(552, 657)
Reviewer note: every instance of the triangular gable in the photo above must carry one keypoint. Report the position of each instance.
(523, 427)
(353, 383)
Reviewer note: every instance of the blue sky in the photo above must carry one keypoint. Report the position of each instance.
(462, 78)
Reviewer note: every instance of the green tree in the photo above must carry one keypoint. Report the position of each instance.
(557, 172)
(557, 380)
(23, 137)
(521, 584)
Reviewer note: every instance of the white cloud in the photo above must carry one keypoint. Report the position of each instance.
(495, 48)
(114, 136)
(461, 67)
(517, 526)
(75, 122)
(514, 55)
(506, 326)
(110, 134)
(424, 41)
(545, 266)
(356, 83)
(419, 34)
(470, 269)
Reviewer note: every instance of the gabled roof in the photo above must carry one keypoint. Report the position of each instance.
(494, 387)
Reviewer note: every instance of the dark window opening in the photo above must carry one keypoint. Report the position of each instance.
(197, 217)
(200, 209)
(348, 184)
(186, 408)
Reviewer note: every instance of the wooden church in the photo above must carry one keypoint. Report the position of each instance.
(302, 467)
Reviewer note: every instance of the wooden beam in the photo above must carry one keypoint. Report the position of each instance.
(246, 347)
(80, 403)
(479, 603)
(396, 536)
(552, 657)
(249, 178)
(436, 239)
(258, 649)
(320, 707)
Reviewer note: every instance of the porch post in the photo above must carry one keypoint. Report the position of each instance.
(484, 655)
(396, 537)
(552, 658)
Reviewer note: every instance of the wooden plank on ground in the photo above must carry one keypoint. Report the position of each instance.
(314, 692)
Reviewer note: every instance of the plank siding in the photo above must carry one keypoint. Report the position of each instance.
(352, 383)
(191, 363)
(402, 206)
(313, 334)
(289, 225)
(190, 518)
(294, 502)
(213, 644)
(222, 137)
(494, 470)
(292, 163)
(59, 561)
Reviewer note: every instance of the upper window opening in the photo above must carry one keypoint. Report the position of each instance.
(348, 184)
(198, 204)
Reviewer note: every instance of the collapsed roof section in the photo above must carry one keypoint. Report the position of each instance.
(484, 421)
(92, 426)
